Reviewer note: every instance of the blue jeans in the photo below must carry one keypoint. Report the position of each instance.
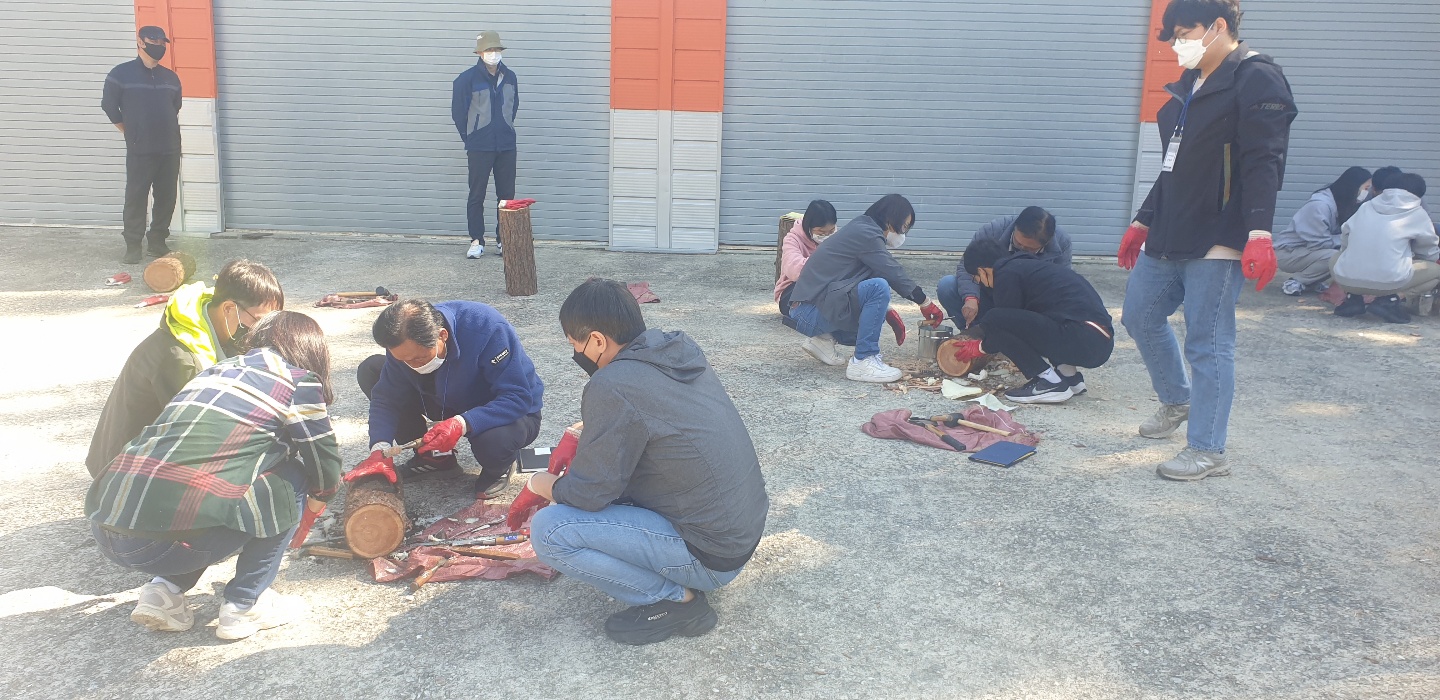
(948, 293)
(633, 554)
(1209, 290)
(874, 296)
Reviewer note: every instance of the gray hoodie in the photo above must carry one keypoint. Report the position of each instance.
(1382, 241)
(1316, 225)
(662, 434)
(854, 254)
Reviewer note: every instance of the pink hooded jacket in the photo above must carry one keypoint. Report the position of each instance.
(793, 254)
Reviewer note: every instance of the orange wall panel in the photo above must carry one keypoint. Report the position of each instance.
(191, 28)
(1161, 68)
(667, 55)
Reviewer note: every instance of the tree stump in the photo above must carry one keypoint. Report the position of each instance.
(374, 519)
(519, 243)
(787, 222)
(167, 273)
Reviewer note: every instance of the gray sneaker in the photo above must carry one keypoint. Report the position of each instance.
(159, 610)
(1193, 465)
(1165, 421)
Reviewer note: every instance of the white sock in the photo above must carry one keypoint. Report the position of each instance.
(174, 589)
(1049, 375)
(1067, 370)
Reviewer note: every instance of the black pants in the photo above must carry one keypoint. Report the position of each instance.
(1029, 339)
(160, 172)
(494, 449)
(481, 165)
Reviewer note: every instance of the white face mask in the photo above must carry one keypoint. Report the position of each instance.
(1364, 195)
(430, 366)
(894, 240)
(1190, 51)
(491, 58)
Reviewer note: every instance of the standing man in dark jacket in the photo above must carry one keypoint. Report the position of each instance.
(1225, 130)
(1032, 231)
(142, 99)
(664, 499)
(1040, 313)
(846, 285)
(484, 103)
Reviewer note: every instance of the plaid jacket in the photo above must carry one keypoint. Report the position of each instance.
(209, 459)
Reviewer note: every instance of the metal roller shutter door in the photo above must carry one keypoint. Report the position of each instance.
(973, 110)
(64, 162)
(339, 120)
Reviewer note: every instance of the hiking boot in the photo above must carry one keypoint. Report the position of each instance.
(477, 250)
(431, 463)
(1165, 421)
(1390, 309)
(1193, 465)
(157, 249)
(159, 610)
(647, 624)
(1292, 288)
(486, 489)
(271, 609)
(1354, 305)
(822, 348)
(1041, 390)
(873, 370)
(133, 254)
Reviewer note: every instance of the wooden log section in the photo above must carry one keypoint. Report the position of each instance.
(519, 242)
(787, 222)
(374, 519)
(166, 274)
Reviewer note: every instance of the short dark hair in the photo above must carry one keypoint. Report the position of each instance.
(1037, 224)
(982, 252)
(892, 211)
(1382, 178)
(602, 305)
(1410, 182)
(298, 340)
(248, 284)
(413, 319)
(1188, 13)
(819, 213)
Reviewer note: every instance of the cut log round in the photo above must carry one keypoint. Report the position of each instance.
(518, 240)
(787, 222)
(945, 357)
(167, 273)
(375, 521)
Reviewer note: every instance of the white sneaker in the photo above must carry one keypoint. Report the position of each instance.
(499, 249)
(477, 250)
(159, 610)
(1292, 287)
(872, 369)
(822, 348)
(272, 609)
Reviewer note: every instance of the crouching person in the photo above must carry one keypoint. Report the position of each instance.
(226, 468)
(664, 499)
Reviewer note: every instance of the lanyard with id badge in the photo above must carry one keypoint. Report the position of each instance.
(1170, 153)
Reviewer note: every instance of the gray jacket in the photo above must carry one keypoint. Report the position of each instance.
(662, 434)
(1001, 231)
(1316, 225)
(854, 254)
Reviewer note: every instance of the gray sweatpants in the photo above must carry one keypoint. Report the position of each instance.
(1308, 266)
(1426, 277)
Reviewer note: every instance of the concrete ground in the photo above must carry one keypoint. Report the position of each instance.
(888, 570)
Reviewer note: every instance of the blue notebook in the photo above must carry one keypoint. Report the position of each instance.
(1003, 454)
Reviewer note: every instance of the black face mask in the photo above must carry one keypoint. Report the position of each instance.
(587, 364)
(155, 51)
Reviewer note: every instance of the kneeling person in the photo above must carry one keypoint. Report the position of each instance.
(457, 364)
(664, 499)
(1041, 312)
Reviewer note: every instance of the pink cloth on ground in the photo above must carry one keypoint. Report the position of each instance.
(461, 566)
(641, 292)
(1335, 295)
(895, 425)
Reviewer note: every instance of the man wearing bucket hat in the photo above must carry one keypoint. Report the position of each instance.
(142, 100)
(485, 101)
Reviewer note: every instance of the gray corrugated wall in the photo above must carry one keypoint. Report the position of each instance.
(336, 116)
(972, 109)
(63, 162)
(1366, 77)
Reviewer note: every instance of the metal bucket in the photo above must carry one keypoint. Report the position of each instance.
(928, 340)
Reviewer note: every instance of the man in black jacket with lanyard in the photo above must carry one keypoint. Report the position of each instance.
(142, 100)
(1206, 223)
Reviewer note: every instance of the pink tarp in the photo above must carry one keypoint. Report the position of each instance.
(387, 569)
(895, 425)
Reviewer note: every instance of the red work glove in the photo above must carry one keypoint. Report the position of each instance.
(443, 436)
(313, 509)
(1130, 245)
(932, 313)
(376, 463)
(516, 204)
(528, 501)
(1258, 262)
(897, 324)
(969, 351)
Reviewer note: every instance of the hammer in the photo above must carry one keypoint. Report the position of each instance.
(954, 419)
(944, 436)
(379, 292)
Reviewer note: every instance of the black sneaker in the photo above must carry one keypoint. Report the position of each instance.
(647, 624)
(487, 489)
(1354, 305)
(1076, 382)
(1041, 390)
(133, 255)
(1390, 309)
(157, 249)
(431, 464)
